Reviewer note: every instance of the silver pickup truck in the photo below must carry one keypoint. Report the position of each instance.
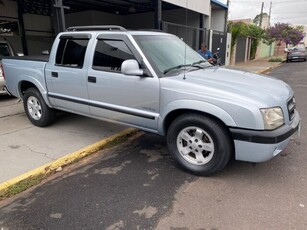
(155, 82)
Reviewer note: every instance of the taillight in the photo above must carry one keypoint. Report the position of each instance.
(2, 70)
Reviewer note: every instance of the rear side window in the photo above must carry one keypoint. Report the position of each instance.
(110, 54)
(71, 52)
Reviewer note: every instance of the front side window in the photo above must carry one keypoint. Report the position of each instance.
(110, 54)
(71, 52)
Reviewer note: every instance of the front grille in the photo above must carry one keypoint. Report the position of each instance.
(291, 108)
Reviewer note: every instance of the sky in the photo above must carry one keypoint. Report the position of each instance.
(288, 11)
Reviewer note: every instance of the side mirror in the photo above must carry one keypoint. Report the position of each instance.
(286, 50)
(20, 54)
(131, 67)
(45, 52)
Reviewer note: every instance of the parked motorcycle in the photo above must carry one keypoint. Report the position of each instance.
(216, 58)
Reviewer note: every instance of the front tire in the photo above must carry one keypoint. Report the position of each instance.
(199, 144)
(36, 109)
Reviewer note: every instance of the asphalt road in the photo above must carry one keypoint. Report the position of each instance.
(136, 186)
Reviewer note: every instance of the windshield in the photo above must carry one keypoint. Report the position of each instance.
(166, 52)
(4, 50)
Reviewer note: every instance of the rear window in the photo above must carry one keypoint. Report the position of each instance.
(4, 50)
(71, 52)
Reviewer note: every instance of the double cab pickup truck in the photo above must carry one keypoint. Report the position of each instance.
(155, 82)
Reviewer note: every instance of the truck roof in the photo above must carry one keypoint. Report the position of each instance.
(113, 29)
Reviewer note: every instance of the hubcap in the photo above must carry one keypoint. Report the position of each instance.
(195, 145)
(34, 108)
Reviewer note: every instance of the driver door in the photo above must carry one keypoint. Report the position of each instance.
(132, 100)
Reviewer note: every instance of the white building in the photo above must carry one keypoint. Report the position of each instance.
(33, 24)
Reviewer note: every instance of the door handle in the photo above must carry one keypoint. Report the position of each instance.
(54, 74)
(91, 79)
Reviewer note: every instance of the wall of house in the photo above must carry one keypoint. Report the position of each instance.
(218, 20)
(39, 33)
(190, 21)
(133, 21)
(264, 50)
(202, 6)
(182, 16)
(8, 9)
(8, 12)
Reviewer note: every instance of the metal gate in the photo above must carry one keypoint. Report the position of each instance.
(241, 49)
(219, 40)
(193, 36)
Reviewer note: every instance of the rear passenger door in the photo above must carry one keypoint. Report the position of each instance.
(66, 74)
(133, 100)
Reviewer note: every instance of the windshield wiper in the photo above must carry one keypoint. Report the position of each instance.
(198, 62)
(175, 67)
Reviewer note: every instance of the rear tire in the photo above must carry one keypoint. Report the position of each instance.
(36, 109)
(199, 144)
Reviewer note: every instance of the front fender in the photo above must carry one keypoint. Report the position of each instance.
(199, 106)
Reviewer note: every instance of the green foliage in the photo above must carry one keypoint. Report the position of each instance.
(240, 29)
(257, 34)
(237, 29)
(21, 186)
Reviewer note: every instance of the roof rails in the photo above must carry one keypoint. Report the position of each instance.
(88, 28)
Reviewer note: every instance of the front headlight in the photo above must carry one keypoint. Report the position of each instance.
(272, 118)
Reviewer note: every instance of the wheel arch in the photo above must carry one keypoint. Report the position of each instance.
(24, 85)
(181, 107)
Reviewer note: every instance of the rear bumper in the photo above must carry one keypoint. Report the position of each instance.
(260, 146)
(2, 87)
(7, 91)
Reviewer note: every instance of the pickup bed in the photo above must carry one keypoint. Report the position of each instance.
(155, 82)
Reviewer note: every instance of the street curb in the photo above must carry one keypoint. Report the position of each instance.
(267, 69)
(68, 159)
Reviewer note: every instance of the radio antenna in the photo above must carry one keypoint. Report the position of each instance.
(186, 35)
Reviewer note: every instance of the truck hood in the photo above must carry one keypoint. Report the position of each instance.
(229, 83)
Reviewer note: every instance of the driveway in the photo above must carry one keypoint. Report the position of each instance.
(25, 147)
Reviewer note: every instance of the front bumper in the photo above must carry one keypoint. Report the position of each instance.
(296, 57)
(260, 146)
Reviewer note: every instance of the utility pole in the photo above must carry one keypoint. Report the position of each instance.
(261, 14)
(270, 13)
(227, 15)
(60, 15)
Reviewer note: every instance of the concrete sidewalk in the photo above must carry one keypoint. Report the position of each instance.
(27, 150)
(256, 66)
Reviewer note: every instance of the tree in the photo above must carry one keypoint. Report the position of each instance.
(237, 29)
(283, 32)
(256, 33)
(258, 17)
